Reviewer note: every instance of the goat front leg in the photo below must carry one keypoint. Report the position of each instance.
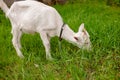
(46, 42)
(16, 42)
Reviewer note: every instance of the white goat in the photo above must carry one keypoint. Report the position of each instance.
(32, 16)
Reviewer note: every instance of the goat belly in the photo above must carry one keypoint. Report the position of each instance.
(28, 31)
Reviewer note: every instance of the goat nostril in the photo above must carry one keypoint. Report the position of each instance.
(86, 43)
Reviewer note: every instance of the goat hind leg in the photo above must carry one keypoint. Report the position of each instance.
(16, 42)
(19, 37)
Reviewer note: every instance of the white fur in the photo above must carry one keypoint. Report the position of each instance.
(32, 16)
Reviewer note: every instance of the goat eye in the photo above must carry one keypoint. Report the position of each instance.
(76, 38)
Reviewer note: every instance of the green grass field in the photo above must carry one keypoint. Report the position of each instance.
(101, 63)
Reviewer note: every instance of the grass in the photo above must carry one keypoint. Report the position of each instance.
(102, 63)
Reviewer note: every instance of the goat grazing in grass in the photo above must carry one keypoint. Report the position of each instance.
(31, 16)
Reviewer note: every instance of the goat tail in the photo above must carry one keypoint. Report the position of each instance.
(4, 6)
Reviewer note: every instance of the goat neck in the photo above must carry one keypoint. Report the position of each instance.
(68, 34)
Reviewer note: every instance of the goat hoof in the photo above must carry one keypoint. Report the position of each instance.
(50, 58)
(21, 56)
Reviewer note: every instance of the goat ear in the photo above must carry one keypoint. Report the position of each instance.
(81, 28)
(84, 30)
(76, 38)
